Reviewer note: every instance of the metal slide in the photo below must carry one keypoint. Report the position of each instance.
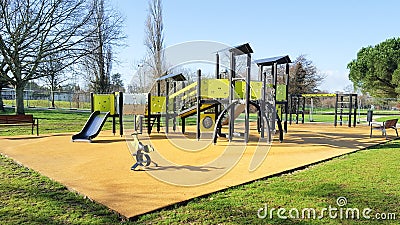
(92, 127)
(239, 108)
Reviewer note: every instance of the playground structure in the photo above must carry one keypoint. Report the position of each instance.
(345, 106)
(102, 107)
(219, 101)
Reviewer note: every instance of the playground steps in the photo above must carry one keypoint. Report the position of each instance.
(193, 110)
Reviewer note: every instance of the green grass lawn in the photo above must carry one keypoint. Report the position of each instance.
(384, 118)
(51, 121)
(368, 179)
(47, 103)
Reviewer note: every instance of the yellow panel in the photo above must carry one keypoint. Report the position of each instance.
(183, 90)
(256, 87)
(281, 92)
(207, 122)
(318, 95)
(215, 88)
(104, 103)
(157, 104)
(279, 110)
(240, 89)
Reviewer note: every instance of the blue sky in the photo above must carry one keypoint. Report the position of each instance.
(329, 33)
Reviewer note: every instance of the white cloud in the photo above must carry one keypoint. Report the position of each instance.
(335, 80)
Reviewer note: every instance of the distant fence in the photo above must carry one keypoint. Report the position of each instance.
(43, 99)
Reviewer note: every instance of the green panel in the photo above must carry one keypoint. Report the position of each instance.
(279, 110)
(240, 89)
(256, 87)
(215, 88)
(104, 103)
(157, 104)
(281, 92)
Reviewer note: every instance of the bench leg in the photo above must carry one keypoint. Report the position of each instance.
(37, 127)
(370, 133)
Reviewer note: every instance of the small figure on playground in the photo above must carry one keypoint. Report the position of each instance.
(142, 153)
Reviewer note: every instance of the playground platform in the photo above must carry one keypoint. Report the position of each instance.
(187, 168)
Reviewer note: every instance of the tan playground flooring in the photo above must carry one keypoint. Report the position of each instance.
(187, 168)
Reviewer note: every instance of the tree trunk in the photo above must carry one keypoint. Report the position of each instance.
(19, 95)
(1, 101)
(52, 100)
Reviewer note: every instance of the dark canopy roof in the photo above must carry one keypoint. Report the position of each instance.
(175, 77)
(240, 49)
(272, 60)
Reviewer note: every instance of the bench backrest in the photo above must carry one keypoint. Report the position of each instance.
(13, 119)
(390, 123)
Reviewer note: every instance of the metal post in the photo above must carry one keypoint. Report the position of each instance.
(275, 80)
(135, 122)
(311, 110)
(262, 102)
(174, 110)
(350, 108)
(287, 99)
(217, 66)
(303, 109)
(120, 114)
(297, 109)
(247, 111)
(336, 107)
(198, 105)
(183, 121)
(217, 108)
(166, 106)
(355, 111)
(291, 109)
(149, 113)
(341, 110)
(158, 88)
(231, 95)
(262, 105)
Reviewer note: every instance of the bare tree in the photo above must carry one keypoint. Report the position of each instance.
(31, 31)
(53, 75)
(107, 24)
(154, 38)
(304, 76)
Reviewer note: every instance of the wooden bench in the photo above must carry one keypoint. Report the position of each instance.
(386, 125)
(20, 120)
